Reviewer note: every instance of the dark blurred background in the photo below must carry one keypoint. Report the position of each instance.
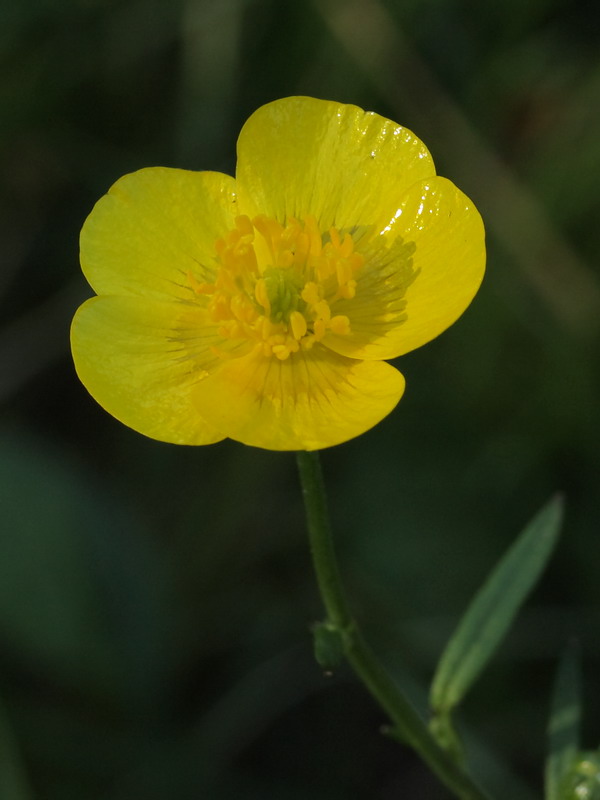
(155, 601)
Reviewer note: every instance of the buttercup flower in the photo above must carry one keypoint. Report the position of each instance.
(263, 308)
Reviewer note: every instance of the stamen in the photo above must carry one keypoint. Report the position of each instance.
(278, 293)
(310, 293)
(319, 328)
(298, 323)
(245, 227)
(340, 324)
(200, 288)
(323, 311)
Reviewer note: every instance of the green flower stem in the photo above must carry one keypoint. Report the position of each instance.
(407, 724)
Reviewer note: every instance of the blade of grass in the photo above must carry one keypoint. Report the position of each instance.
(494, 607)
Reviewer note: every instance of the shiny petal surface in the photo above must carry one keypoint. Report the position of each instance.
(141, 359)
(421, 280)
(336, 162)
(153, 229)
(309, 401)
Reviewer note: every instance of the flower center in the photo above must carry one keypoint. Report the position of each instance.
(275, 284)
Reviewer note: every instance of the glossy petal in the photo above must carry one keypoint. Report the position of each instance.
(417, 286)
(141, 359)
(154, 228)
(344, 166)
(311, 400)
(149, 348)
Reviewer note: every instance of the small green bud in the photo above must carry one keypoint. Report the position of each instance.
(328, 644)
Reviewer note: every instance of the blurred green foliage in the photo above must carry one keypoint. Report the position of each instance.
(155, 601)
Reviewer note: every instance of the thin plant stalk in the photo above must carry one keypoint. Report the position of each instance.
(407, 724)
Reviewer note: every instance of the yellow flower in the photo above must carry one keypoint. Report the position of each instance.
(262, 308)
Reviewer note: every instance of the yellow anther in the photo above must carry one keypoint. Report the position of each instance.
(314, 236)
(281, 351)
(298, 324)
(344, 272)
(310, 293)
(264, 327)
(347, 246)
(270, 230)
(323, 266)
(323, 311)
(290, 234)
(275, 284)
(220, 308)
(348, 291)
(246, 259)
(237, 306)
(200, 288)
(226, 282)
(301, 249)
(244, 226)
(319, 329)
(340, 324)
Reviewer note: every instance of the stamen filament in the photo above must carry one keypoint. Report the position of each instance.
(281, 299)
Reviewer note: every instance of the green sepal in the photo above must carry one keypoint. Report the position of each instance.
(494, 607)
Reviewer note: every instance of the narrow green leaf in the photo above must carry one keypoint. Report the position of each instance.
(494, 607)
(564, 723)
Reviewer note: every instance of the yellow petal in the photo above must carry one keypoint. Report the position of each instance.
(141, 359)
(154, 229)
(311, 400)
(419, 283)
(346, 167)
